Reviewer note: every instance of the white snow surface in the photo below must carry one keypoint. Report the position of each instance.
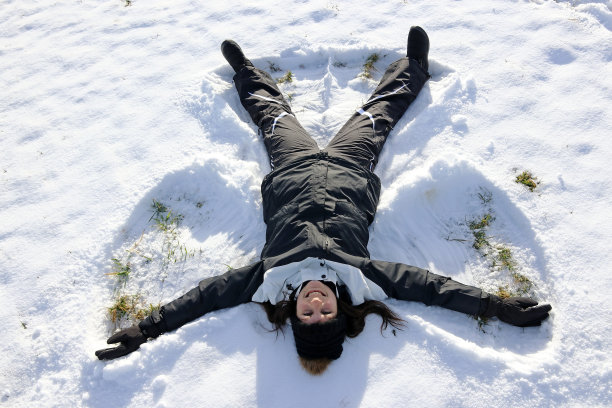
(106, 106)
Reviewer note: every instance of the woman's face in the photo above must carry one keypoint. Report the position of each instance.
(316, 303)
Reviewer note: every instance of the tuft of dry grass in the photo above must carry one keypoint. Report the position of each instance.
(129, 307)
(287, 78)
(368, 65)
(527, 179)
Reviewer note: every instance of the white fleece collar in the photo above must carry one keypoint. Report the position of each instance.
(280, 281)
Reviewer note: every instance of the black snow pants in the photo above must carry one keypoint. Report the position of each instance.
(360, 140)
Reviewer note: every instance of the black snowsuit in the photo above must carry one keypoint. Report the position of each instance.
(319, 203)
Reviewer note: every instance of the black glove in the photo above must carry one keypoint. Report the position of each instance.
(518, 311)
(130, 338)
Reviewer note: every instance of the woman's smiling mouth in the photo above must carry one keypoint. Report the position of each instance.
(310, 292)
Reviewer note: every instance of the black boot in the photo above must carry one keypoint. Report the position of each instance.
(418, 46)
(234, 55)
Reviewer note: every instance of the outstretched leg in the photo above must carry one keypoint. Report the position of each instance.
(362, 137)
(285, 139)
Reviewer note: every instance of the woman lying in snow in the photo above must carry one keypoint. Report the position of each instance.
(315, 268)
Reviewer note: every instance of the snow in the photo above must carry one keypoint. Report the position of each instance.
(106, 107)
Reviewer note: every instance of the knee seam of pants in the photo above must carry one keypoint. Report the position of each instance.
(265, 98)
(392, 92)
(363, 112)
(277, 118)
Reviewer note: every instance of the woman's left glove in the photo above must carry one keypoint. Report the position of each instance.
(130, 338)
(518, 311)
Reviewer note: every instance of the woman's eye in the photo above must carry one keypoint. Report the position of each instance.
(307, 313)
(326, 312)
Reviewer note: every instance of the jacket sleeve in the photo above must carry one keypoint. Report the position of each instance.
(233, 288)
(406, 282)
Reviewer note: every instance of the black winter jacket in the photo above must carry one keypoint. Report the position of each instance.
(317, 206)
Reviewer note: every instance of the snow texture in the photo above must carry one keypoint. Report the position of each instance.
(108, 105)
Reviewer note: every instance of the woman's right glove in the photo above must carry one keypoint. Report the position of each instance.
(518, 311)
(130, 338)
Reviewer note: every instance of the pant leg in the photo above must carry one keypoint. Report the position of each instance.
(284, 137)
(362, 137)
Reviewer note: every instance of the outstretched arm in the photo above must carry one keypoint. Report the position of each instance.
(218, 292)
(406, 282)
